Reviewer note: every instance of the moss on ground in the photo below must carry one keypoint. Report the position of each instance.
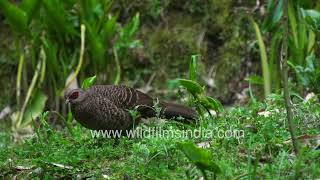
(261, 153)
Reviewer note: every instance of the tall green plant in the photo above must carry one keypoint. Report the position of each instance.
(51, 29)
(303, 57)
(295, 29)
(302, 43)
(264, 61)
(198, 97)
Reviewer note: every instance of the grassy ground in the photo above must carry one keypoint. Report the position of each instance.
(262, 151)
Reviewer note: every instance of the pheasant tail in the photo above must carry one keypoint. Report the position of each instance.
(172, 110)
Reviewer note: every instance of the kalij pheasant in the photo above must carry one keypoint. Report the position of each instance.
(106, 107)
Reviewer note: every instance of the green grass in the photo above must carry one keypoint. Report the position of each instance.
(261, 153)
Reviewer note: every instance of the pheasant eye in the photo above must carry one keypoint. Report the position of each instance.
(74, 95)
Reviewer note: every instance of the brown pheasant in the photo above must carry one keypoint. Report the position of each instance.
(106, 107)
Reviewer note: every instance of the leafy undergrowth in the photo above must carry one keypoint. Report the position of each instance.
(262, 151)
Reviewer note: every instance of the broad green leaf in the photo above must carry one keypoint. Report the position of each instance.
(35, 108)
(209, 102)
(131, 28)
(312, 18)
(311, 42)
(254, 79)
(192, 86)
(202, 158)
(16, 17)
(31, 7)
(126, 34)
(300, 72)
(314, 14)
(293, 23)
(310, 63)
(275, 12)
(274, 58)
(193, 67)
(109, 29)
(96, 46)
(51, 50)
(264, 60)
(88, 82)
(278, 12)
(214, 104)
(89, 9)
(57, 17)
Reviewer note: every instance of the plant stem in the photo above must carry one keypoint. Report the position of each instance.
(82, 46)
(118, 68)
(18, 81)
(29, 93)
(284, 58)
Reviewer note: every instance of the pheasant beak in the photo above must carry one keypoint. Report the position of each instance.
(67, 101)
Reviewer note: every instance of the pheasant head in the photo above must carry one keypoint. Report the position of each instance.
(75, 96)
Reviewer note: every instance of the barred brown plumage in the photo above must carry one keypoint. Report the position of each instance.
(106, 107)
